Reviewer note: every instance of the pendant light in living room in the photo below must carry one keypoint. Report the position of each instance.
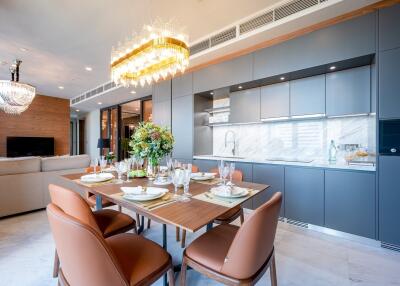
(15, 97)
(161, 50)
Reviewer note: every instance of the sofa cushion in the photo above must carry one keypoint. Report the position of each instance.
(21, 165)
(65, 163)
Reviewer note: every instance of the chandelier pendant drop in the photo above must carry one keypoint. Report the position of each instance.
(160, 51)
(15, 97)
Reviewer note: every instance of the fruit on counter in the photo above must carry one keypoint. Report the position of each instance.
(137, 173)
(361, 153)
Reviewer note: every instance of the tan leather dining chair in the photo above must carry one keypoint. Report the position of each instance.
(107, 222)
(87, 258)
(237, 256)
(227, 217)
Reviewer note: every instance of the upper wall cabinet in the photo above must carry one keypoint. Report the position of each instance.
(275, 100)
(182, 85)
(348, 92)
(389, 23)
(245, 106)
(389, 84)
(307, 96)
(335, 43)
(227, 73)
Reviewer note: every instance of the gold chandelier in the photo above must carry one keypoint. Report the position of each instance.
(161, 50)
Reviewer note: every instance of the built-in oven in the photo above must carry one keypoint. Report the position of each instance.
(389, 137)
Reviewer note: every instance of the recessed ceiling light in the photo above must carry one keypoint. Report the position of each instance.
(212, 93)
(332, 68)
(99, 103)
(282, 78)
(240, 87)
(77, 110)
(133, 92)
(60, 87)
(88, 68)
(23, 49)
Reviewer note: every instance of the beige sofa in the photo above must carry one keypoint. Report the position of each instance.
(24, 181)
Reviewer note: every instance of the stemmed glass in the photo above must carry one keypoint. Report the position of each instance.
(128, 164)
(187, 173)
(225, 172)
(220, 170)
(231, 171)
(103, 163)
(94, 163)
(120, 168)
(177, 180)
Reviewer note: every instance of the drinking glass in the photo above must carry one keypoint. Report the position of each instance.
(177, 180)
(225, 172)
(128, 164)
(94, 163)
(187, 173)
(231, 171)
(120, 168)
(220, 170)
(103, 163)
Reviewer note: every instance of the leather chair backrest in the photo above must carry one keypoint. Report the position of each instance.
(84, 255)
(254, 241)
(236, 176)
(73, 204)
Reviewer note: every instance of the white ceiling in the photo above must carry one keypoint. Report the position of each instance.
(63, 37)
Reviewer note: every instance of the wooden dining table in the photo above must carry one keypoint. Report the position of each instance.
(191, 215)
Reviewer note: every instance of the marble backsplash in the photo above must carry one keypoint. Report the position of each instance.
(302, 139)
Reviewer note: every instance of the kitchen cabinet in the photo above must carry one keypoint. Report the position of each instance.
(275, 100)
(205, 165)
(274, 177)
(182, 126)
(224, 74)
(304, 195)
(389, 23)
(247, 170)
(182, 85)
(389, 199)
(245, 106)
(350, 202)
(389, 84)
(348, 92)
(307, 96)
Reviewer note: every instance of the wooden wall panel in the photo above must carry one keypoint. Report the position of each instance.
(46, 117)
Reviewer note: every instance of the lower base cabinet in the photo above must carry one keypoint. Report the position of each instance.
(350, 202)
(274, 177)
(304, 195)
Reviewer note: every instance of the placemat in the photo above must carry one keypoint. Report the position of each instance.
(208, 182)
(148, 205)
(226, 202)
(90, 185)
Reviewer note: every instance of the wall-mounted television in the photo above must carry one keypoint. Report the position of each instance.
(30, 146)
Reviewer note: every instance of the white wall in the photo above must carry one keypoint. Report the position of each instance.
(92, 133)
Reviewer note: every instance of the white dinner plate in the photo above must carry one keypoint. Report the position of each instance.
(137, 194)
(200, 176)
(96, 178)
(236, 192)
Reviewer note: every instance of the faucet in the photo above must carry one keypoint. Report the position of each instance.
(233, 140)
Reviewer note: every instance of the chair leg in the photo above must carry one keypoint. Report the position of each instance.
(183, 272)
(56, 264)
(241, 217)
(138, 220)
(178, 232)
(272, 272)
(183, 242)
(119, 208)
(171, 277)
(148, 223)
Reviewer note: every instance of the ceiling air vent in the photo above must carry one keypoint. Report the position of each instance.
(90, 93)
(224, 36)
(201, 46)
(256, 22)
(293, 7)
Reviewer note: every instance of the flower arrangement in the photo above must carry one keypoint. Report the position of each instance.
(151, 142)
(110, 157)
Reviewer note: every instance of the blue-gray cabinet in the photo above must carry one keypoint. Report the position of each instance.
(348, 92)
(389, 199)
(272, 175)
(307, 96)
(182, 126)
(304, 195)
(389, 23)
(275, 100)
(205, 165)
(389, 84)
(227, 73)
(350, 202)
(245, 106)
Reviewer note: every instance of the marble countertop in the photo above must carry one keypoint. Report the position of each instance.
(316, 163)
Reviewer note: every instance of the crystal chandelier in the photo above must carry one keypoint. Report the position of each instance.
(15, 97)
(161, 50)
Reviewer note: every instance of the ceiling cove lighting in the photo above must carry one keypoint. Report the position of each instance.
(161, 50)
(332, 68)
(240, 87)
(282, 78)
(15, 97)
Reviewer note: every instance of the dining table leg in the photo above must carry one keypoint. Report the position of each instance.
(209, 226)
(141, 227)
(165, 246)
(99, 204)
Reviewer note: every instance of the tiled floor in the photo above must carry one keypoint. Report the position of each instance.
(304, 257)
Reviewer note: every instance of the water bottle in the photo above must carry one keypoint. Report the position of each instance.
(332, 152)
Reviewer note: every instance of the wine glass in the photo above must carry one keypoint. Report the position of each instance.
(94, 163)
(231, 171)
(187, 173)
(119, 167)
(128, 165)
(177, 180)
(225, 172)
(220, 170)
(103, 163)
